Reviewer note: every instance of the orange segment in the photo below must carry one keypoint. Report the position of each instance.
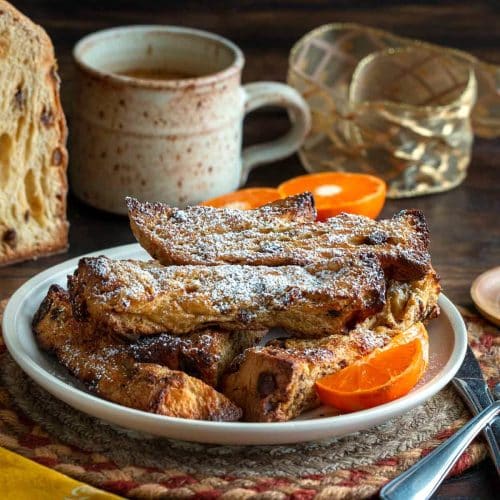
(336, 192)
(382, 376)
(244, 199)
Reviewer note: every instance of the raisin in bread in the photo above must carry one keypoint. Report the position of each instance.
(33, 156)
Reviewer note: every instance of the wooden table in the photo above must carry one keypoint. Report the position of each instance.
(464, 223)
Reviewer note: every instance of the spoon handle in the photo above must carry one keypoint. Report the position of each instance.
(477, 396)
(423, 478)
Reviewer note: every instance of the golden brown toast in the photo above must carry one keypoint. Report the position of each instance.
(211, 236)
(143, 298)
(169, 234)
(106, 366)
(276, 382)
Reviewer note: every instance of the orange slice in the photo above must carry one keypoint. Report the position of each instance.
(382, 376)
(244, 199)
(336, 192)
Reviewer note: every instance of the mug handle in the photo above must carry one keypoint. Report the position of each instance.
(275, 94)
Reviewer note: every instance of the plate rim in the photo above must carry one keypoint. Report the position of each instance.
(259, 430)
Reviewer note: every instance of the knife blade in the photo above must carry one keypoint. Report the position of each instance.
(472, 387)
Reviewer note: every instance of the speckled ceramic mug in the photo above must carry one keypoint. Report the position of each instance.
(172, 140)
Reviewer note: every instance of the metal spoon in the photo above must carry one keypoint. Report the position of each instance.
(422, 479)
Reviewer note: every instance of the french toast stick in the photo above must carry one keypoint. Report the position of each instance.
(160, 228)
(106, 367)
(136, 298)
(277, 382)
(212, 236)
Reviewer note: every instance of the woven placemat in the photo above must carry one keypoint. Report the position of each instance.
(42, 428)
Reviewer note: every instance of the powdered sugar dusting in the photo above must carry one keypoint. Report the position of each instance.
(205, 235)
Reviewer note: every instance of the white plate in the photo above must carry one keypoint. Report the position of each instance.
(448, 341)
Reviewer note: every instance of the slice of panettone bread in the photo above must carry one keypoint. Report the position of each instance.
(33, 156)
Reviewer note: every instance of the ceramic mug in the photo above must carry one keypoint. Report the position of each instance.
(168, 138)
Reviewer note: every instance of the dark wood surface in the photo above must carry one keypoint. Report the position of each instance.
(464, 223)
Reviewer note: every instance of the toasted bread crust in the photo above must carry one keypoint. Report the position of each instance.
(298, 208)
(57, 246)
(145, 298)
(210, 236)
(106, 366)
(276, 382)
(205, 355)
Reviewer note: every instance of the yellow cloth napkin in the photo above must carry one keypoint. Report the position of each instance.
(22, 479)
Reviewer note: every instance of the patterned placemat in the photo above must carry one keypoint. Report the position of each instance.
(41, 428)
